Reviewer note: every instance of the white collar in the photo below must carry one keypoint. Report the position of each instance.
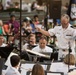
(67, 27)
(15, 69)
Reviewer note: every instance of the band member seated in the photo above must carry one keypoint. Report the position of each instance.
(29, 45)
(38, 70)
(31, 42)
(67, 64)
(15, 63)
(42, 45)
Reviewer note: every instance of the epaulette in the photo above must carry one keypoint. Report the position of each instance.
(72, 26)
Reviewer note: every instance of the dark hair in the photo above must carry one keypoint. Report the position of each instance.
(35, 16)
(14, 60)
(37, 70)
(12, 16)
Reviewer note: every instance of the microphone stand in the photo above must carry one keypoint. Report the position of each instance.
(69, 56)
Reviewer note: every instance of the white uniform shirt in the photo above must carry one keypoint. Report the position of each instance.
(64, 36)
(25, 46)
(3, 45)
(12, 71)
(46, 49)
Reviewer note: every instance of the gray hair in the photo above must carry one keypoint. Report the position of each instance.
(65, 16)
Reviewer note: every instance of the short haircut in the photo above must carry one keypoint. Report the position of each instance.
(12, 16)
(65, 16)
(35, 16)
(14, 60)
(43, 37)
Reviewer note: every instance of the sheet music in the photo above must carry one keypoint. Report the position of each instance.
(56, 65)
(28, 67)
(59, 67)
(25, 68)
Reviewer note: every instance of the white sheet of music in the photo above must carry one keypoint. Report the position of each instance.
(25, 68)
(28, 67)
(57, 66)
(53, 74)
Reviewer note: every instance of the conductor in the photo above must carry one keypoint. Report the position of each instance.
(65, 35)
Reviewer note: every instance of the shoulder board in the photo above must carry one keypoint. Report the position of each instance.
(72, 26)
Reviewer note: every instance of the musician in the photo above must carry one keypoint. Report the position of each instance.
(42, 46)
(63, 66)
(37, 70)
(15, 62)
(64, 33)
(31, 42)
(29, 45)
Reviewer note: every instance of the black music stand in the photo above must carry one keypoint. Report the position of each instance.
(69, 56)
(53, 55)
(26, 56)
(53, 73)
(5, 51)
(1, 65)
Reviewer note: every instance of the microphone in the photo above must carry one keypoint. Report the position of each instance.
(69, 47)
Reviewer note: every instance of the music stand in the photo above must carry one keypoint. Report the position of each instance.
(1, 65)
(5, 51)
(54, 56)
(47, 73)
(53, 73)
(27, 65)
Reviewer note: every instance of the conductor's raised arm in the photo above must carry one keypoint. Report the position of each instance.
(43, 31)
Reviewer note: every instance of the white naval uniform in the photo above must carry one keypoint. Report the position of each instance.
(12, 71)
(38, 49)
(64, 36)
